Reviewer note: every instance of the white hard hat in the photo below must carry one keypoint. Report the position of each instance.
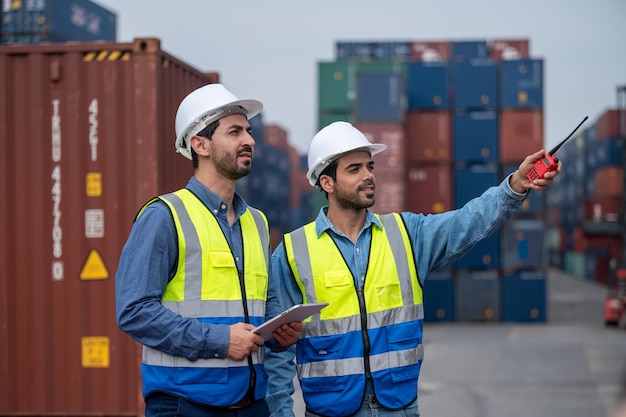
(204, 106)
(333, 141)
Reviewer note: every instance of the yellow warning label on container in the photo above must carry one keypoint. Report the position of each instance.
(95, 351)
(94, 267)
(93, 184)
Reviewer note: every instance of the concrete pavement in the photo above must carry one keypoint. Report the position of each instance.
(571, 366)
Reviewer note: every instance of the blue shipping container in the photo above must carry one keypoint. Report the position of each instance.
(475, 137)
(522, 84)
(380, 97)
(427, 85)
(477, 295)
(470, 181)
(522, 244)
(465, 50)
(475, 84)
(354, 51)
(439, 296)
(58, 21)
(524, 296)
(364, 51)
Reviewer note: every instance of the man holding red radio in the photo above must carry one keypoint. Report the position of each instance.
(362, 354)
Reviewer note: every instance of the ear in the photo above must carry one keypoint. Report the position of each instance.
(200, 145)
(327, 183)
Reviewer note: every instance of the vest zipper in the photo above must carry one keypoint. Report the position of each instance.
(365, 336)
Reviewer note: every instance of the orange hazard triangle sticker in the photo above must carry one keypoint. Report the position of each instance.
(94, 267)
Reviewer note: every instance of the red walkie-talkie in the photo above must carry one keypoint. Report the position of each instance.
(548, 162)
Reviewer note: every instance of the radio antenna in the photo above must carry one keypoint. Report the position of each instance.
(556, 148)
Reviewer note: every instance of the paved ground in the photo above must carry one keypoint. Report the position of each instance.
(571, 366)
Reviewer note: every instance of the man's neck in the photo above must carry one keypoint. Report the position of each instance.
(348, 221)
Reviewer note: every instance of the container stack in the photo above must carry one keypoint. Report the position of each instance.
(36, 21)
(474, 111)
(586, 214)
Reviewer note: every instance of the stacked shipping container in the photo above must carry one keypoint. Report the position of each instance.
(36, 21)
(474, 110)
(586, 213)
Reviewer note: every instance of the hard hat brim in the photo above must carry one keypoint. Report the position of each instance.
(314, 173)
(248, 107)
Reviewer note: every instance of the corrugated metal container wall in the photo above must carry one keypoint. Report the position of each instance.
(475, 136)
(429, 137)
(475, 84)
(521, 84)
(429, 189)
(92, 139)
(608, 124)
(392, 160)
(465, 50)
(521, 134)
(57, 21)
(427, 85)
(380, 98)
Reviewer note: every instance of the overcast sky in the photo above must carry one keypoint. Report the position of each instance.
(269, 50)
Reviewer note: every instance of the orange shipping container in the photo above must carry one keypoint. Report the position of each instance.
(429, 137)
(609, 182)
(521, 134)
(429, 189)
(392, 160)
(87, 137)
(608, 124)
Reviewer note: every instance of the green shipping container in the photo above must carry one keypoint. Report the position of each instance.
(337, 82)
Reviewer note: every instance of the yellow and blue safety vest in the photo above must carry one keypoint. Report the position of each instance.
(366, 334)
(206, 286)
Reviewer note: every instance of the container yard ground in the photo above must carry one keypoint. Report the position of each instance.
(571, 366)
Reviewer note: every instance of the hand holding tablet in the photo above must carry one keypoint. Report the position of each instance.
(298, 312)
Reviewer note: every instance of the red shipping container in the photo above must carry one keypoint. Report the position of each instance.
(393, 159)
(503, 49)
(604, 209)
(521, 134)
(102, 118)
(428, 137)
(390, 193)
(429, 189)
(609, 182)
(430, 51)
(608, 125)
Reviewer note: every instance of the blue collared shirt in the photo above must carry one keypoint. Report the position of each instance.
(149, 261)
(437, 240)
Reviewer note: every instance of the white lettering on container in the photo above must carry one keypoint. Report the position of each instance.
(93, 129)
(55, 191)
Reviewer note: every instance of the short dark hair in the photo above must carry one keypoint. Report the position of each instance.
(207, 132)
(331, 171)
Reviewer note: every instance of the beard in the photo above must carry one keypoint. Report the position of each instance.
(226, 164)
(353, 200)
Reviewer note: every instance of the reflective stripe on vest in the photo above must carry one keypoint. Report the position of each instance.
(331, 358)
(207, 286)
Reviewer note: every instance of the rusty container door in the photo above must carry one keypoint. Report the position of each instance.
(87, 134)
